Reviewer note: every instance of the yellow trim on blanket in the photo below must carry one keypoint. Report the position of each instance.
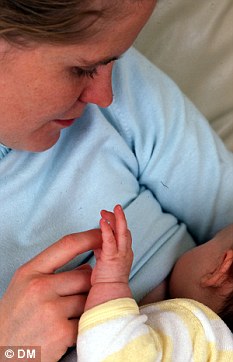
(140, 349)
(107, 311)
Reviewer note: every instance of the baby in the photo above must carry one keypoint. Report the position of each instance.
(182, 329)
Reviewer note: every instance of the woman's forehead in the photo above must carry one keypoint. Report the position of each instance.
(108, 40)
(58, 22)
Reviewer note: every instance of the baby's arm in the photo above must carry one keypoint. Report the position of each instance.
(110, 275)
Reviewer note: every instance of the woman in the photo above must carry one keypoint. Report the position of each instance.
(65, 157)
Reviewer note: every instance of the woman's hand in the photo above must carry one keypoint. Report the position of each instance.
(40, 308)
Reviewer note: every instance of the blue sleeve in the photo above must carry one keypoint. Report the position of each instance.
(180, 158)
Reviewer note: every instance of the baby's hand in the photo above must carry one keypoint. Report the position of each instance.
(110, 275)
(114, 259)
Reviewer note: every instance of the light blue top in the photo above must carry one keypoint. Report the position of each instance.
(151, 151)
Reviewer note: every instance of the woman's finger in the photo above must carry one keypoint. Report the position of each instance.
(72, 306)
(71, 282)
(73, 331)
(64, 250)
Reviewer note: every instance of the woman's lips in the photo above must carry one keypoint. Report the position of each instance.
(65, 122)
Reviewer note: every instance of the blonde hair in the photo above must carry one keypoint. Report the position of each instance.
(50, 21)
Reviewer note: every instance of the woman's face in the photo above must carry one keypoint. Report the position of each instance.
(42, 89)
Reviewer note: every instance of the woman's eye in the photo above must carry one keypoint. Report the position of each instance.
(90, 73)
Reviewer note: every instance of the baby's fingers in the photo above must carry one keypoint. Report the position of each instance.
(109, 246)
(110, 217)
(123, 235)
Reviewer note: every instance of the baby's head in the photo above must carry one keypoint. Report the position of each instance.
(205, 274)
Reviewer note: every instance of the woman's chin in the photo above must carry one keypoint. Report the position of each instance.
(39, 144)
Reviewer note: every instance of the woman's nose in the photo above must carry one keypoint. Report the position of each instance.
(98, 90)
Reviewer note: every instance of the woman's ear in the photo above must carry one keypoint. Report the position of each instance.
(220, 275)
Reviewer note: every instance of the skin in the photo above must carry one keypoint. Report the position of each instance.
(41, 307)
(42, 83)
(200, 274)
(110, 275)
(39, 85)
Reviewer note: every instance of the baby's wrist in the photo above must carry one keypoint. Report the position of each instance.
(103, 292)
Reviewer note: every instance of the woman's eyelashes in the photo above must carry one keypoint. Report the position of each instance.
(88, 73)
(92, 72)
